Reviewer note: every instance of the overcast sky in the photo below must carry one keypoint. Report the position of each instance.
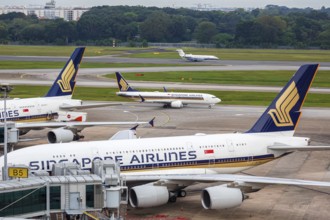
(176, 3)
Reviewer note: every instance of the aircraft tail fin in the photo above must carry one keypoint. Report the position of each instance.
(65, 82)
(284, 112)
(123, 84)
(181, 53)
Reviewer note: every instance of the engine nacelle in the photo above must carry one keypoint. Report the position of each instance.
(62, 135)
(145, 196)
(221, 197)
(176, 104)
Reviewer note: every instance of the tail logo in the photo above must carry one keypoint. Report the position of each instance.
(66, 77)
(123, 85)
(281, 115)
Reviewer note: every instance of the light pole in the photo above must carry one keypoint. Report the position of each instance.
(5, 88)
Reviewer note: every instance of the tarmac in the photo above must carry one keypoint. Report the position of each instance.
(271, 202)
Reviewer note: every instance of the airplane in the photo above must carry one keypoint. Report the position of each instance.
(168, 99)
(195, 58)
(161, 167)
(57, 105)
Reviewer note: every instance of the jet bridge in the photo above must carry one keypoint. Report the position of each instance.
(69, 192)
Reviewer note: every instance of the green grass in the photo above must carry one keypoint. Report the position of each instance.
(224, 54)
(16, 50)
(227, 97)
(58, 65)
(261, 78)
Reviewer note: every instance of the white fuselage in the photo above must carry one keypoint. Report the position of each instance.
(197, 154)
(196, 58)
(34, 109)
(168, 97)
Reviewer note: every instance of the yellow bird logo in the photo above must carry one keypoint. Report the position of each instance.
(123, 85)
(66, 77)
(281, 115)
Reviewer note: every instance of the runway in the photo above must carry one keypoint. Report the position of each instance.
(93, 78)
(272, 202)
(117, 59)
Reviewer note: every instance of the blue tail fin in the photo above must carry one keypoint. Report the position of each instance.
(65, 83)
(284, 112)
(123, 84)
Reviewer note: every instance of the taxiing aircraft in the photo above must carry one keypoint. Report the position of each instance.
(168, 99)
(170, 164)
(195, 58)
(57, 105)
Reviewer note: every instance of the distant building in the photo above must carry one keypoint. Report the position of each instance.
(49, 11)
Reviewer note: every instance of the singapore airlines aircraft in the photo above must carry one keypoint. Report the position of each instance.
(170, 164)
(195, 58)
(168, 99)
(56, 105)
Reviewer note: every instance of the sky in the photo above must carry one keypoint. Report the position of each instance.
(316, 4)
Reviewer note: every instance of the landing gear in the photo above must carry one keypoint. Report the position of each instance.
(172, 198)
(210, 106)
(182, 193)
(176, 194)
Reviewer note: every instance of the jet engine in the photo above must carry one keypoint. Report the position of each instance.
(62, 135)
(221, 197)
(176, 104)
(145, 196)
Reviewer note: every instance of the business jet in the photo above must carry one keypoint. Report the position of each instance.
(170, 164)
(168, 99)
(56, 107)
(195, 58)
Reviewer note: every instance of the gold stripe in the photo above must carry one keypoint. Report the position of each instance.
(206, 166)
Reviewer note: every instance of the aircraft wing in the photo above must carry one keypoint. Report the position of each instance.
(224, 178)
(74, 124)
(86, 106)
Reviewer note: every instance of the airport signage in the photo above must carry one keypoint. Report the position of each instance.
(18, 172)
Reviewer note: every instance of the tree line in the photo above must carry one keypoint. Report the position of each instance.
(271, 27)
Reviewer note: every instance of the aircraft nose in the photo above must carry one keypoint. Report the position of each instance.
(218, 100)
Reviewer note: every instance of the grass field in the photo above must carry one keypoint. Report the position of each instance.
(15, 50)
(265, 78)
(224, 54)
(227, 97)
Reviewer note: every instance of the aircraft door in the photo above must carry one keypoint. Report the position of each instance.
(230, 145)
(189, 146)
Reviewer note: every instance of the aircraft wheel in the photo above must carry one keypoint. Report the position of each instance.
(182, 193)
(172, 199)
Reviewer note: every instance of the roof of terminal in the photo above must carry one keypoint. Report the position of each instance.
(38, 181)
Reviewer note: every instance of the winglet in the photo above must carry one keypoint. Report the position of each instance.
(165, 90)
(123, 84)
(65, 82)
(134, 128)
(142, 99)
(284, 112)
(151, 122)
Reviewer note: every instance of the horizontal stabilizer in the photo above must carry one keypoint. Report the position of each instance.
(124, 135)
(299, 148)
